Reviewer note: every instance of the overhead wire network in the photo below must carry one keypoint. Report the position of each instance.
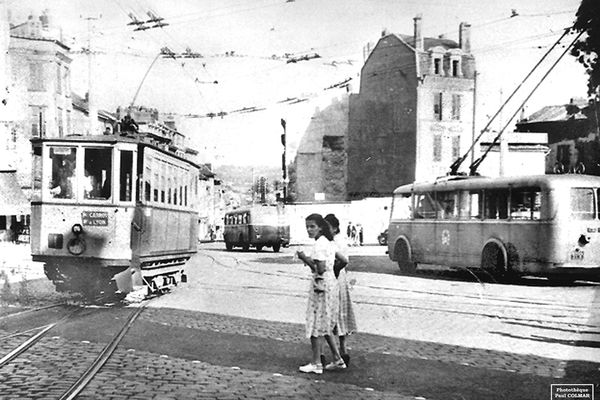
(231, 10)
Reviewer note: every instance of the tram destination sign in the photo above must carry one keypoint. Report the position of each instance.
(94, 218)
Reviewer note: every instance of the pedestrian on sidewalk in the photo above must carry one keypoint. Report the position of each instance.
(323, 295)
(346, 318)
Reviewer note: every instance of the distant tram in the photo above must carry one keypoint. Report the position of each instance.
(258, 226)
(544, 225)
(112, 212)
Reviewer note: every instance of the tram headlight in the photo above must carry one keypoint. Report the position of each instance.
(77, 229)
(76, 246)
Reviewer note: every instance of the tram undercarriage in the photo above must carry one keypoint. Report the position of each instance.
(91, 279)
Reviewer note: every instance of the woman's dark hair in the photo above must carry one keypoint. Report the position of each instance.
(321, 223)
(334, 222)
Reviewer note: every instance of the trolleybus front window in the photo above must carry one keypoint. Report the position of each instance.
(97, 174)
(62, 184)
(582, 203)
(401, 208)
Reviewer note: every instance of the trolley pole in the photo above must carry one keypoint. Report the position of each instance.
(283, 160)
(92, 108)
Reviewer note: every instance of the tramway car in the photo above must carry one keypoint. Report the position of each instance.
(112, 212)
(258, 226)
(544, 225)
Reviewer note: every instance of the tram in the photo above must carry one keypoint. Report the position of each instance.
(112, 213)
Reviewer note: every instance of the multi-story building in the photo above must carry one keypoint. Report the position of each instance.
(40, 89)
(413, 114)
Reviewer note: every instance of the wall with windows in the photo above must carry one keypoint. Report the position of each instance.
(40, 87)
(413, 115)
(445, 115)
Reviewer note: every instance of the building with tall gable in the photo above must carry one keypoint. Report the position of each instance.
(413, 115)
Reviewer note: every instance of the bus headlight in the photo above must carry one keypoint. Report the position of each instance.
(76, 246)
(584, 239)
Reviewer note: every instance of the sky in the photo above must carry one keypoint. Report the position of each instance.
(244, 43)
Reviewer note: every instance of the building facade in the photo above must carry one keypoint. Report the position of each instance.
(320, 163)
(413, 115)
(40, 90)
(573, 135)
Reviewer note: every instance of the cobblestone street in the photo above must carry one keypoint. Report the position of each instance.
(235, 331)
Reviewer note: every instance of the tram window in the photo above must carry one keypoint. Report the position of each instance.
(525, 203)
(155, 191)
(446, 205)
(36, 174)
(175, 195)
(496, 204)
(582, 203)
(147, 184)
(162, 189)
(475, 205)
(125, 181)
(186, 195)
(425, 206)
(98, 166)
(63, 172)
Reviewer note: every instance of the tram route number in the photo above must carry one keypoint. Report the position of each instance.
(94, 218)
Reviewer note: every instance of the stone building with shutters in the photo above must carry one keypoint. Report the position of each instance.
(413, 114)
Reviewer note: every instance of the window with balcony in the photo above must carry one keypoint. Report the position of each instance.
(36, 77)
(437, 147)
(456, 100)
(437, 106)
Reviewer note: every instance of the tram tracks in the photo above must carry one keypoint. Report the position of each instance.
(37, 334)
(537, 312)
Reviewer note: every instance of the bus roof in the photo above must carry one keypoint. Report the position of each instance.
(482, 182)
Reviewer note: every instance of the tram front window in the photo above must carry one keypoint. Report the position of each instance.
(63, 172)
(97, 174)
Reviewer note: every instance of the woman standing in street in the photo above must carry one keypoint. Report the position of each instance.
(323, 296)
(346, 319)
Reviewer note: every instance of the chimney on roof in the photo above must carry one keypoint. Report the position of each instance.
(464, 37)
(418, 33)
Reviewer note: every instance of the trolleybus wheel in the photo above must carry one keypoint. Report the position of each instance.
(229, 246)
(493, 261)
(259, 248)
(405, 263)
(276, 247)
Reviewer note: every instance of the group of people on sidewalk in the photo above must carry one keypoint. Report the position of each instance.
(329, 315)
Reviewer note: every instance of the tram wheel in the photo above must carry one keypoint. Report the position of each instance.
(493, 261)
(405, 263)
(276, 247)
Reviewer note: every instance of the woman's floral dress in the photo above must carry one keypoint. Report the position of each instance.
(323, 307)
(346, 319)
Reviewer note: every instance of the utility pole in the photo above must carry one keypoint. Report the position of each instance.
(283, 160)
(92, 108)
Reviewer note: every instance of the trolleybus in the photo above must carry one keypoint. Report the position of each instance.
(545, 225)
(258, 226)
